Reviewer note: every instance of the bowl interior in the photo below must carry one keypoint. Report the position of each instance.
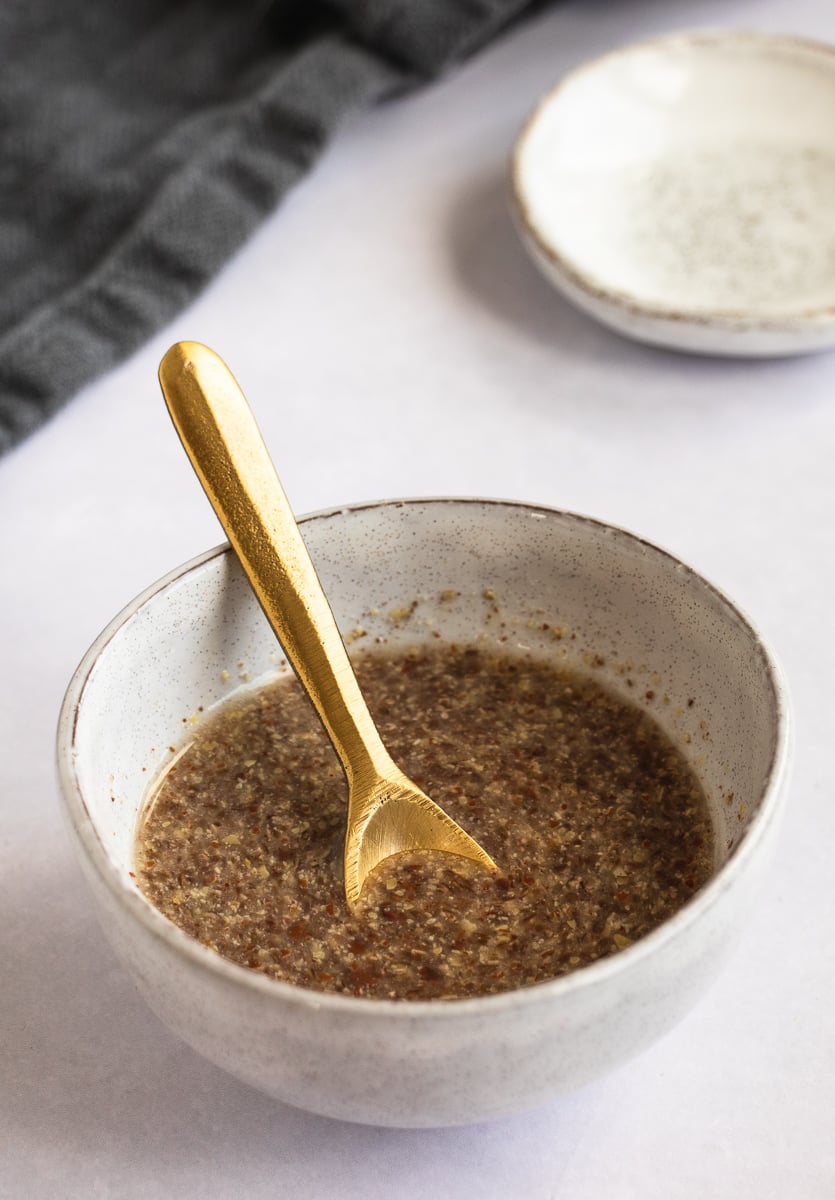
(692, 174)
(543, 582)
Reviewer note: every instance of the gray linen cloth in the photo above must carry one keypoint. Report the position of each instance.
(141, 141)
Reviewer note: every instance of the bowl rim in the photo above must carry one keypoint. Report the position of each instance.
(596, 973)
(742, 320)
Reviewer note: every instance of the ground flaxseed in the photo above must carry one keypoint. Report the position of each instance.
(599, 827)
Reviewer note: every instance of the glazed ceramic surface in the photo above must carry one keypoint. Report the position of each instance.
(195, 637)
(681, 191)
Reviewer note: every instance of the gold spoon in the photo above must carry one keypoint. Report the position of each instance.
(387, 813)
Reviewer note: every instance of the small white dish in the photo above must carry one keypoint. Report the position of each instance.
(682, 191)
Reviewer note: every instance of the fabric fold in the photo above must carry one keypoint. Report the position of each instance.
(141, 145)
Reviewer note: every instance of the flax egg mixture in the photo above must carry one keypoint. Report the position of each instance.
(599, 827)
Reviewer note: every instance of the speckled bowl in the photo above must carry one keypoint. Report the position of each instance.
(680, 190)
(198, 634)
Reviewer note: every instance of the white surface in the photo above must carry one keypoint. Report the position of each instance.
(388, 312)
(681, 190)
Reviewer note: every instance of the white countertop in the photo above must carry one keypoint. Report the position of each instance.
(394, 339)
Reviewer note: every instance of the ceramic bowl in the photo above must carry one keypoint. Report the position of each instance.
(680, 190)
(693, 659)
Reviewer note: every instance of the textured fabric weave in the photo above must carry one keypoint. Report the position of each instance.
(142, 141)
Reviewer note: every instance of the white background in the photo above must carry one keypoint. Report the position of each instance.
(394, 340)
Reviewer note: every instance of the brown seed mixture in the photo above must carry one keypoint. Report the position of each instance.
(599, 827)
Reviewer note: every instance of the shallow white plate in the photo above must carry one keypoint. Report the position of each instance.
(682, 191)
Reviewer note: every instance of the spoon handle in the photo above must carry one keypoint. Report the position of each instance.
(220, 436)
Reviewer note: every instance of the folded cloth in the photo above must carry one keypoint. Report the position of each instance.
(142, 142)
